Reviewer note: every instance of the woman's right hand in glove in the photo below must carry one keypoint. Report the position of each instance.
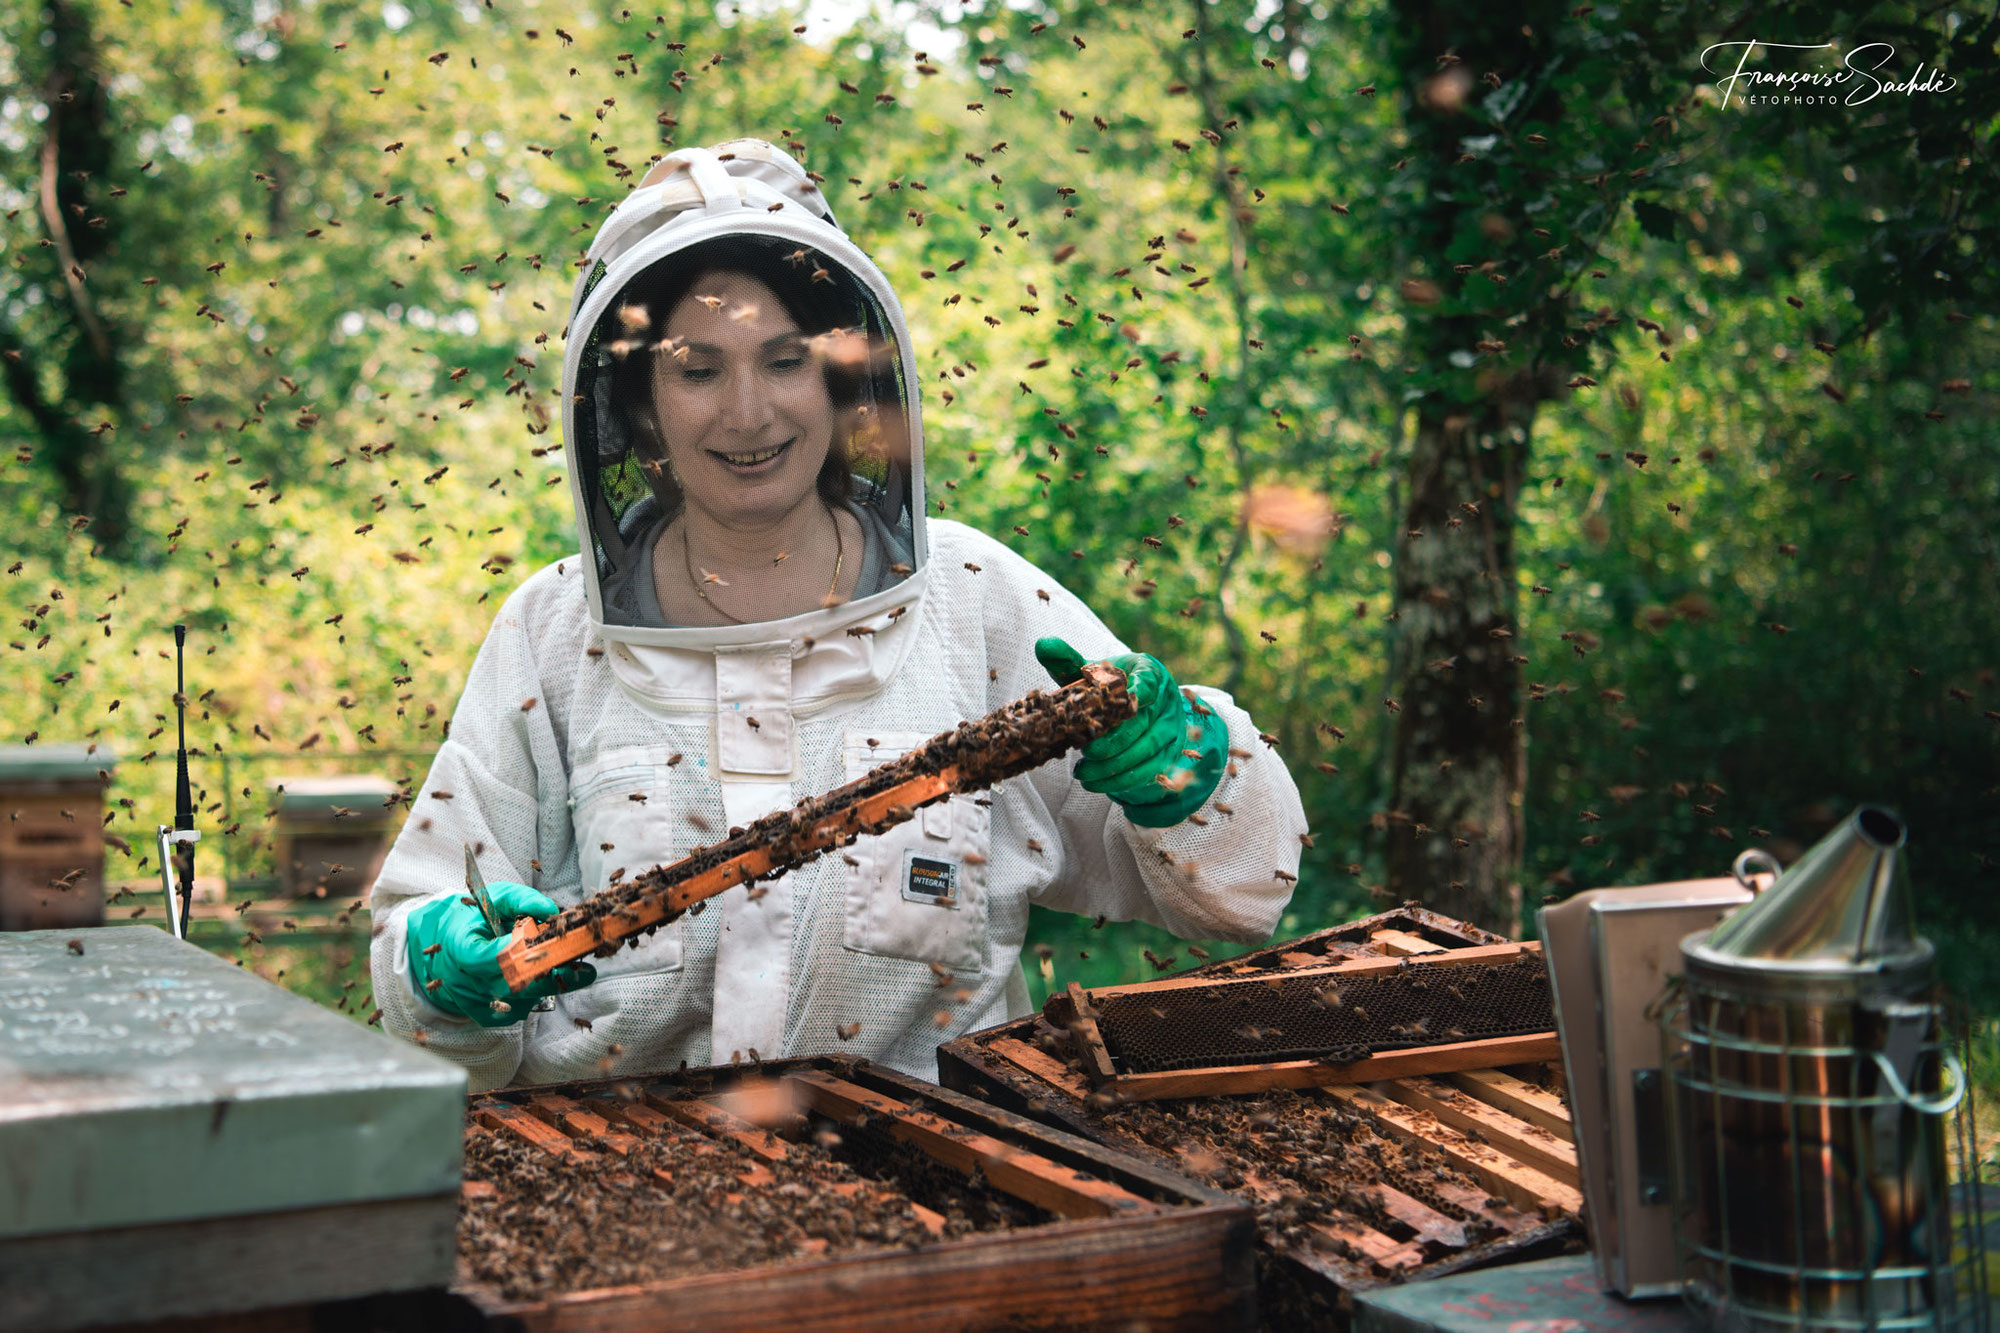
(455, 957)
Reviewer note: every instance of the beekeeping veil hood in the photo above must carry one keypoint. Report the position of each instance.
(739, 208)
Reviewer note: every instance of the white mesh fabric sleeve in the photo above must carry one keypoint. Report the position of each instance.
(498, 784)
(1219, 881)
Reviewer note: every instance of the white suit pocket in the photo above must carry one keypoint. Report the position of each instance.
(633, 810)
(918, 891)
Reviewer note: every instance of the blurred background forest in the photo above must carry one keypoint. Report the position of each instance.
(1581, 479)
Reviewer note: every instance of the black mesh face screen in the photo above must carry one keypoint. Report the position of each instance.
(1328, 1017)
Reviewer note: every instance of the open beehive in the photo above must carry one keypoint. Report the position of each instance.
(833, 1190)
(1357, 1184)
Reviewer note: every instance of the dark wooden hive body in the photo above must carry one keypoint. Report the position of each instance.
(1356, 1186)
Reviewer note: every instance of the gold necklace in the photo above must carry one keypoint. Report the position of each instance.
(832, 589)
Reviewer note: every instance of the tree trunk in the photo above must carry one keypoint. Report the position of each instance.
(1454, 824)
(76, 147)
(1459, 765)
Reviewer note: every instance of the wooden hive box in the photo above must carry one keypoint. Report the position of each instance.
(52, 841)
(1108, 1240)
(1356, 1186)
(332, 833)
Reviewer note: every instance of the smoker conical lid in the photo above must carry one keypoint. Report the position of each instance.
(1844, 905)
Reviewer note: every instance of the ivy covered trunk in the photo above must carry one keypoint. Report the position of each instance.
(1486, 286)
(1454, 825)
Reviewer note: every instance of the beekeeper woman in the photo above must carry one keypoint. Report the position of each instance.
(760, 613)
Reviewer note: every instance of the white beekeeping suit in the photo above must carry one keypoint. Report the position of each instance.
(599, 735)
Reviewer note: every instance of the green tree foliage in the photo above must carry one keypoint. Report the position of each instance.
(1789, 531)
(1185, 286)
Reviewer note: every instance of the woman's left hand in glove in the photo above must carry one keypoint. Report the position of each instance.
(1162, 764)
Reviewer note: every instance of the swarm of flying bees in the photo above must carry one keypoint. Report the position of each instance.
(462, 240)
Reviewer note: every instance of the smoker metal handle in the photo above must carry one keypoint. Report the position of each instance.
(1752, 860)
(1943, 1104)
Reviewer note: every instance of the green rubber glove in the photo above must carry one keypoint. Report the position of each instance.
(451, 944)
(1163, 763)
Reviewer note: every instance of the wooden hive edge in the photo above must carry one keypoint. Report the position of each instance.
(1504, 1175)
(1352, 939)
(1527, 1143)
(1221, 1080)
(1366, 965)
(1155, 1269)
(1517, 1097)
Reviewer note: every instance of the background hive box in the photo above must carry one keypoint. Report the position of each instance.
(184, 1138)
(1355, 1186)
(52, 840)
(332, 833)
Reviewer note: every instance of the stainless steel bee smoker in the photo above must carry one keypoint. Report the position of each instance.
(1817, 1101)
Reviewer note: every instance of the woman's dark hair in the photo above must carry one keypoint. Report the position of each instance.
(832, 302)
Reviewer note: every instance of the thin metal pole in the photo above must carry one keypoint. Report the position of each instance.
(183, 793)
(224, 756)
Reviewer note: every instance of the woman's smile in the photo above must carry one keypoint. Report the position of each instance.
(754, 462)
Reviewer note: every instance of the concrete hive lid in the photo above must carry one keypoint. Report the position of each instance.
(366, 794)
(146, 1081)
(55, 763)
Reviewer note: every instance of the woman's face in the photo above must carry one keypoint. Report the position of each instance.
(742, 403)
